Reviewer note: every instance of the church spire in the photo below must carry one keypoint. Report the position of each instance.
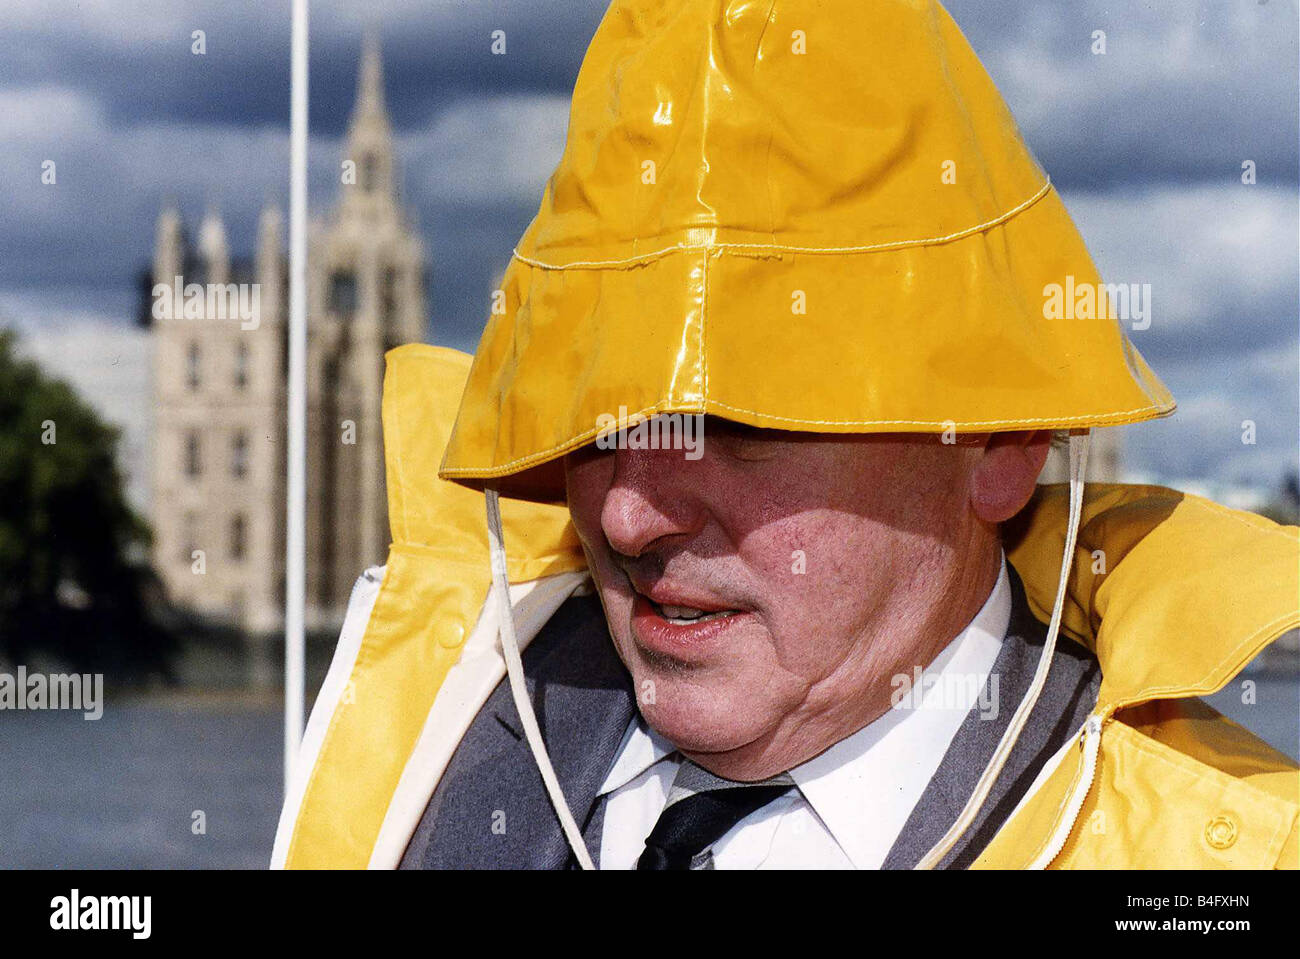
(370, 139)
(370, 78)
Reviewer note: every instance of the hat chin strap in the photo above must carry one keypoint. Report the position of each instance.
(1078, 463)
(518, 688)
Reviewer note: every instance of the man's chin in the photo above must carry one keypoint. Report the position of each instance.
(697, 722)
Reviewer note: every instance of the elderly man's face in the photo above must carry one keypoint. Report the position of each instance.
(764, 595)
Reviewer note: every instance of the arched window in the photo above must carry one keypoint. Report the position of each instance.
(193, 463)
(388, 294)
(238, 537)
(239, 455)
(241, 365)
(190, 537)
(330, 375)
(192, 369)
(343, 293)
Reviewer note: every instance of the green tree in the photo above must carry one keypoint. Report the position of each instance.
(74, 578)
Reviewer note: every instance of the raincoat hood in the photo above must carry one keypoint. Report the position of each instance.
(801, 216)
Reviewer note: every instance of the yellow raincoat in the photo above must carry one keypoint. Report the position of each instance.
(1192, 592)
(813, 217)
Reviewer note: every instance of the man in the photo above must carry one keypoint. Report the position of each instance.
(845, 630)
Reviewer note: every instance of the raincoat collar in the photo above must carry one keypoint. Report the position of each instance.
(1173, 593)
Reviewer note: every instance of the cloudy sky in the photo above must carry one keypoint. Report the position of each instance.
(1145, 144)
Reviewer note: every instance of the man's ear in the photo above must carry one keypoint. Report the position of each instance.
(1004, 478)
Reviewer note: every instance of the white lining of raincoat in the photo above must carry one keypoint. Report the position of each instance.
(362, 600)
(463, 692)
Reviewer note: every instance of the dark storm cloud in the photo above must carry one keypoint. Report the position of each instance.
(1184, 91)
(142, 70)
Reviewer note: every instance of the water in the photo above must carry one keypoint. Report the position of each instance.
(1274, 716)
(121, 791)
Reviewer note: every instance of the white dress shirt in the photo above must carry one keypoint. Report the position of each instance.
(852, 800)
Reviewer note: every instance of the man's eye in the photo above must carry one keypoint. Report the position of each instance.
(718, 428)
(583, 455)
(721, 427)
(741, 440)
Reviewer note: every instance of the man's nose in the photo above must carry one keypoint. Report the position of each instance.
(649, 500)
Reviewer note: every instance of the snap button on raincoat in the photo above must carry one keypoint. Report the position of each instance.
(812, 217)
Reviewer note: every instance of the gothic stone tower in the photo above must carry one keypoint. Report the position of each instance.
(365, 295)
(219, 434)
(219, 451)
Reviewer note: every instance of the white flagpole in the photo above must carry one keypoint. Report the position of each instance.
(296, 500)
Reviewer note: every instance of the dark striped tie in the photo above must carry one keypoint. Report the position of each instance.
(701, 809)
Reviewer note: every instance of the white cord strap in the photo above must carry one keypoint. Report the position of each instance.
(518, 689)
(1078, 463)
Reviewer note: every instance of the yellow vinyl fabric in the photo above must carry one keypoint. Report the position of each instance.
(806, 216)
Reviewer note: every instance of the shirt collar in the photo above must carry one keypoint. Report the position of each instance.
(641, 748)
(889, 762)
(865, 787)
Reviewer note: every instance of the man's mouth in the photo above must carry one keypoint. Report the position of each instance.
(688, 615)
(682, 625)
